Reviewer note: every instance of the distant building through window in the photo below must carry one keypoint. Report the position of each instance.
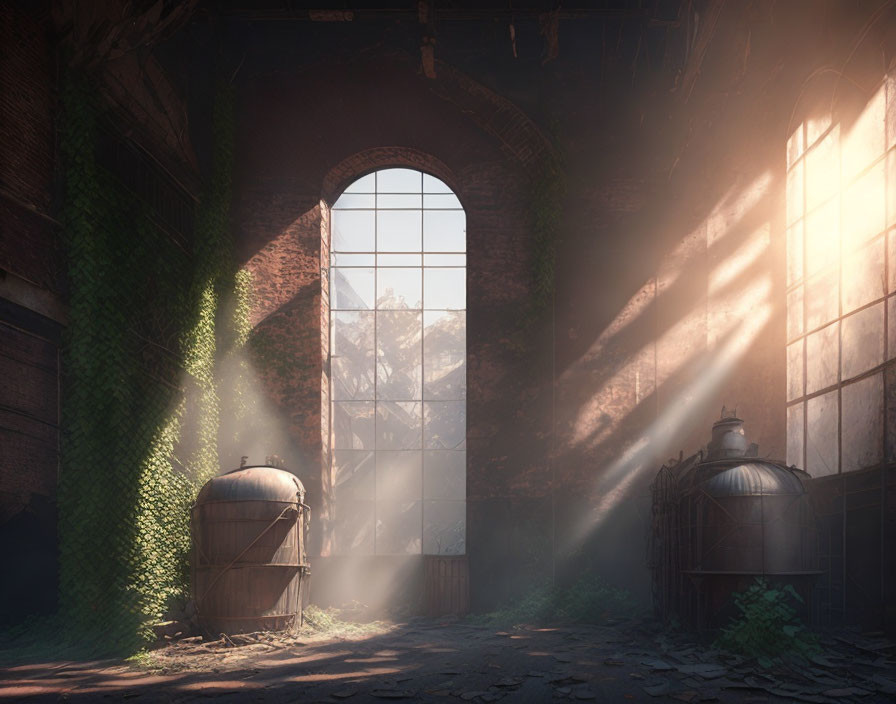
(398, 366)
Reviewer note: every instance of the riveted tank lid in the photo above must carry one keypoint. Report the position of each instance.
(253, 484)
(753, 479)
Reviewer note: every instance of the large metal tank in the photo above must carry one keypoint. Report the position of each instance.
(249, 528)
(722, 518)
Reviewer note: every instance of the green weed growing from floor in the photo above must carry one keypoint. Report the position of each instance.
(767, 626)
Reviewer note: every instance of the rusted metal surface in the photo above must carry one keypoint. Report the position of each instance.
(249, 529)
(446, 583)
(721, 519)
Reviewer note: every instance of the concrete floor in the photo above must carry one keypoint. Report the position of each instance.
(433, 662)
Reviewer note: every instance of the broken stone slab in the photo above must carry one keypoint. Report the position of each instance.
(846, 692)
(707, 671)
(657, 665)
(393, 693)
(884, 685)
(658, 690)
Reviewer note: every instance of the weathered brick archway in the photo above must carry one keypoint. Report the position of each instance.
(481, 146)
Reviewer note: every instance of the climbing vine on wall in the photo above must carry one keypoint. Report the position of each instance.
(140, 421)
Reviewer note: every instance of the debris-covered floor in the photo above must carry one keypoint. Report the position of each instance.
(444, 662)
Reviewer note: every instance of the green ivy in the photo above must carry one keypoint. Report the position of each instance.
(140, 422)
(767, 626)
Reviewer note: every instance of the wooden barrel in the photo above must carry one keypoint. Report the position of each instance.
(248, 558)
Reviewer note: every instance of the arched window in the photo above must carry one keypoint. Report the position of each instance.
(398, 366)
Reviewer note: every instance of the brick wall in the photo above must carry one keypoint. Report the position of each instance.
(27, 142)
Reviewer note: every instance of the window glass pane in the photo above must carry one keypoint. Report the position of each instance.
(444, 231)
(399, 475)
(365, 184)
(445, 475)
(823, 170)
(795, 312)
(399, 289)
(444, 288)
(795, 435)
(795, 253)
(864, 142)
(823, 237)
(431, 184)
(822, 296)
(444, 527)
(862, 345)
(821, 435)
(795, 145)
(445, 425)
(351, 289)
(399, 527)
(398, 200)
(354, 470)
(398, 181)
(795, 193)
(891, 329)
(441, 201)
(399, 425)
(863, 423)
(891, 179)
(444, 355)
(863, 276)
(353, 425)
(891, 252)
(340, 259)
(398, 259)
(795, 370)
(863, 208)
(352, 230)
(355, 200)
(822, 358)
(352, 355)
(445, 259)
(354, 527)
(398, 231)
(398, 357)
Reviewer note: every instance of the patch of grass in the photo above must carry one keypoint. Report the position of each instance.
(590, 599)
(329, 622)
(768, 627)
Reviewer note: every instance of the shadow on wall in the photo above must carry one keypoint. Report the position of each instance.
(255, 384)
(30, 553)
(683, 345)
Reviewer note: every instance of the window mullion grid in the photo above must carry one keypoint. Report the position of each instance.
(422, 371)
(376, 361)
(805, 303)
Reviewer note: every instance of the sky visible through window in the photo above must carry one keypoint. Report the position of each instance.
(398, 365)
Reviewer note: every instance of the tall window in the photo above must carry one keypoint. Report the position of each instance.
(841, 182)
(398, 366)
